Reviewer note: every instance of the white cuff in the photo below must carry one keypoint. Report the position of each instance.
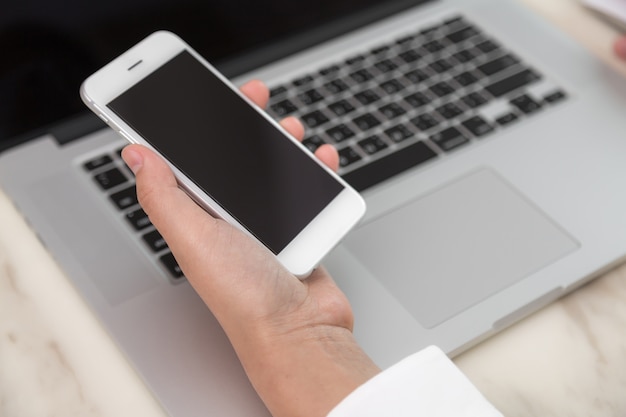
(426, 383)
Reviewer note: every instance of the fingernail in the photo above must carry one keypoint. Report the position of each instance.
(133, 159)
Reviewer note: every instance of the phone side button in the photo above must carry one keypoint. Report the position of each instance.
(100, 113)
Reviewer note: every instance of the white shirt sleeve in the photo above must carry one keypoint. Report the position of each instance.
(426, 384)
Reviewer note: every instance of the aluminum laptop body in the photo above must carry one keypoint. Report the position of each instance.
(451, 250)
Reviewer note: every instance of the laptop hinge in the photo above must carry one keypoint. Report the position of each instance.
(64, 132)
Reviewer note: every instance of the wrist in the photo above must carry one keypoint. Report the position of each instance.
(308, 372)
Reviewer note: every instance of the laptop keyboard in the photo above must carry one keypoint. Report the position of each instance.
(112, 177)
(386, 110)
(413, 100)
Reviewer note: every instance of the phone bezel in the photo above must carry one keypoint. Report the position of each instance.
(312, 243)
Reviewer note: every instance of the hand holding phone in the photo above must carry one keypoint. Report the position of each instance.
(229, 156)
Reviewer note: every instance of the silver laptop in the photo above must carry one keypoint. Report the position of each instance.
(491, 151)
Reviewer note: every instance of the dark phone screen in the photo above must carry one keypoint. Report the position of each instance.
(229, 150)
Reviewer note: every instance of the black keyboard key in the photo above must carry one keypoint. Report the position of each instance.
(110, 178)
(513, 82)
(313, 142)
(277, 91)
(348, 156)
(442, 89)
(372, 145)
(355, 60)
(314, 118)
(404, 40)
(526, 104)
(399, 133)
(138, 219)
(497, 65)
(430, 32)
(417, 76)
(487, 46)
(392, 86)
(478, 126)
(328, 71)
(283, 108)
(341, 107)
(385, 66)
(455, 21)
(390, 165)
(97, 162)
(336, 86)
(440, 66)
(555, 97)
(462, 35)
(433, 46)
(367, 97)
(311, 96)
(299, 82)
(449, 111)
(169, 262)
(381, 50)
(474, 100)
(506, 119)
(465, 55)
(340, 133)
(417, 100)
(449, 139)
(425, 122)
(366, 121)
(361, 76)
(155, 241)
(409, 56)
(125, 198)
(392, 110)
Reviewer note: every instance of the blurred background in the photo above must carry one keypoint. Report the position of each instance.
(49, 46)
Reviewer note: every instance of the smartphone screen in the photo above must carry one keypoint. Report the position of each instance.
(228, 150)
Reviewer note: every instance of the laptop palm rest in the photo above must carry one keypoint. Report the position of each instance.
(452, 248)
(118, 270)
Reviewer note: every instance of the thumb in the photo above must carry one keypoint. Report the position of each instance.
(190, 232)
(159, 195)
(221, 263)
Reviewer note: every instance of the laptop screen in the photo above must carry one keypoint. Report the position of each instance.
(49, 46)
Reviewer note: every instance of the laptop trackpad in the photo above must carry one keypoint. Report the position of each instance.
(456, 246)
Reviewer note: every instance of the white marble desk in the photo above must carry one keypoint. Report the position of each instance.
(55, 360)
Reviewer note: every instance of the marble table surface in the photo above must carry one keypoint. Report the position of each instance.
(569, 359)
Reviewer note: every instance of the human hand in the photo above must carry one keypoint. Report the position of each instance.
(294, 338)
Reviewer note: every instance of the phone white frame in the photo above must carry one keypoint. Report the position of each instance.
(315, 241)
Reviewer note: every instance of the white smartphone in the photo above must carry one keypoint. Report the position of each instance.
(227, 154)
